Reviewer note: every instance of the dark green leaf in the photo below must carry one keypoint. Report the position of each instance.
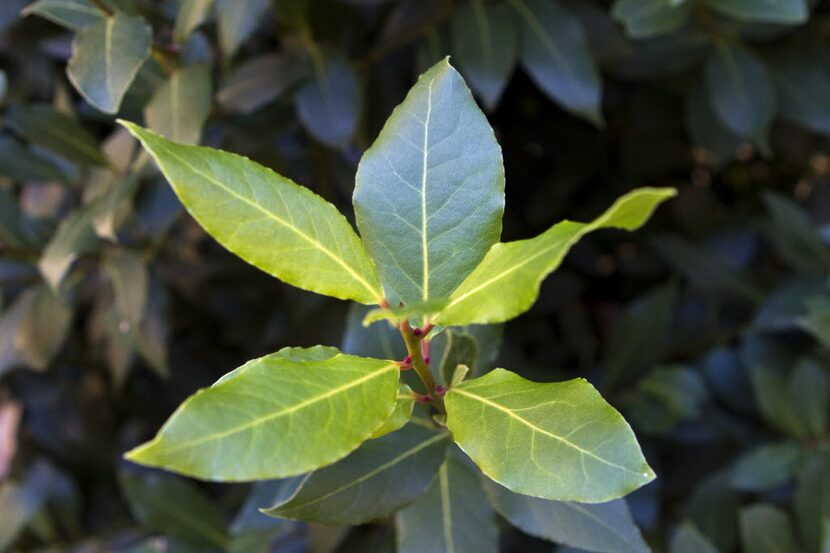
(175, 507)
(555, 52)
(688, 539)
(191, 14)
(180, 106)
(485, 42)
(741, 92)
(767, 529)
(106, 57)
(373, 482)
(796, 236)
(767, 466)
(329, 104)
(713, 508)
(55, 131)
(237, 21)
(454, 516)
(429, 195)
(21, 164)
(785, 12)
(803, 89)
(260, 80)
(638, 336)
(812, 503)
(809, 388)
(649, 18)
(72, 14)
(706, 129)
(74, 238)
(43, 331)
(604, 527)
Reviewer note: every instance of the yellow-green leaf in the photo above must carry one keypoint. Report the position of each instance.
(266, 219)
(557, 441)
(280, 415)
(506, 282)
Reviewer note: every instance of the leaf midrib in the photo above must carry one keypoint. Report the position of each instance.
(487, 283)
(532, 426)
(278, 219)
(286, 411)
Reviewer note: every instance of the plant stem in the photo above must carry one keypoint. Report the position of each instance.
(413, 348)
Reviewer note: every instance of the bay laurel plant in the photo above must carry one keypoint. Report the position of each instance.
(351, 438)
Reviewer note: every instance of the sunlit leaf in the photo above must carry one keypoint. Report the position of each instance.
(557, 441)
(284, 229)
(281, 400)
(506, 282)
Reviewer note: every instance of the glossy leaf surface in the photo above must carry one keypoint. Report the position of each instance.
(430, 191)
(557, 441)
(106, 57)
(282, 228)
(506, 282)
(278, 402)
(373, 482)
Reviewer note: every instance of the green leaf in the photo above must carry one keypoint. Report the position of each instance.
(191, 14)
(796, 236)
(329, 103)
(556, 54)
(21, 164)
(638, 336)
(10, 324)
(43, 330)
(266, 219)
(741, 92)
(281, 400)
(109, 206)
(106, 57)
(767, 466)
(21, 500)
(785, 12)
(803, 89)
(453, 516)
(237, 21)
(688, 539)
(55, 131)
(809, 388)
(506, 282)
(373, 482)
(452, 348)
(72, 14)
(180, 106)
(812, 503)
(381, 341)
(417, 310)
(776, 404)
(557, 441)
(706, 129)
(817, 320)
(429, 195)
(767, 529)
(605, 527)
(401, 414)
(260, 80)
(705, 269)
(175, 507)
(650, 18)
(713, 508)
(74, 238)
(485, 43)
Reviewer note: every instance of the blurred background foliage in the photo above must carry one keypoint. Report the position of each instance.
(709, 329)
